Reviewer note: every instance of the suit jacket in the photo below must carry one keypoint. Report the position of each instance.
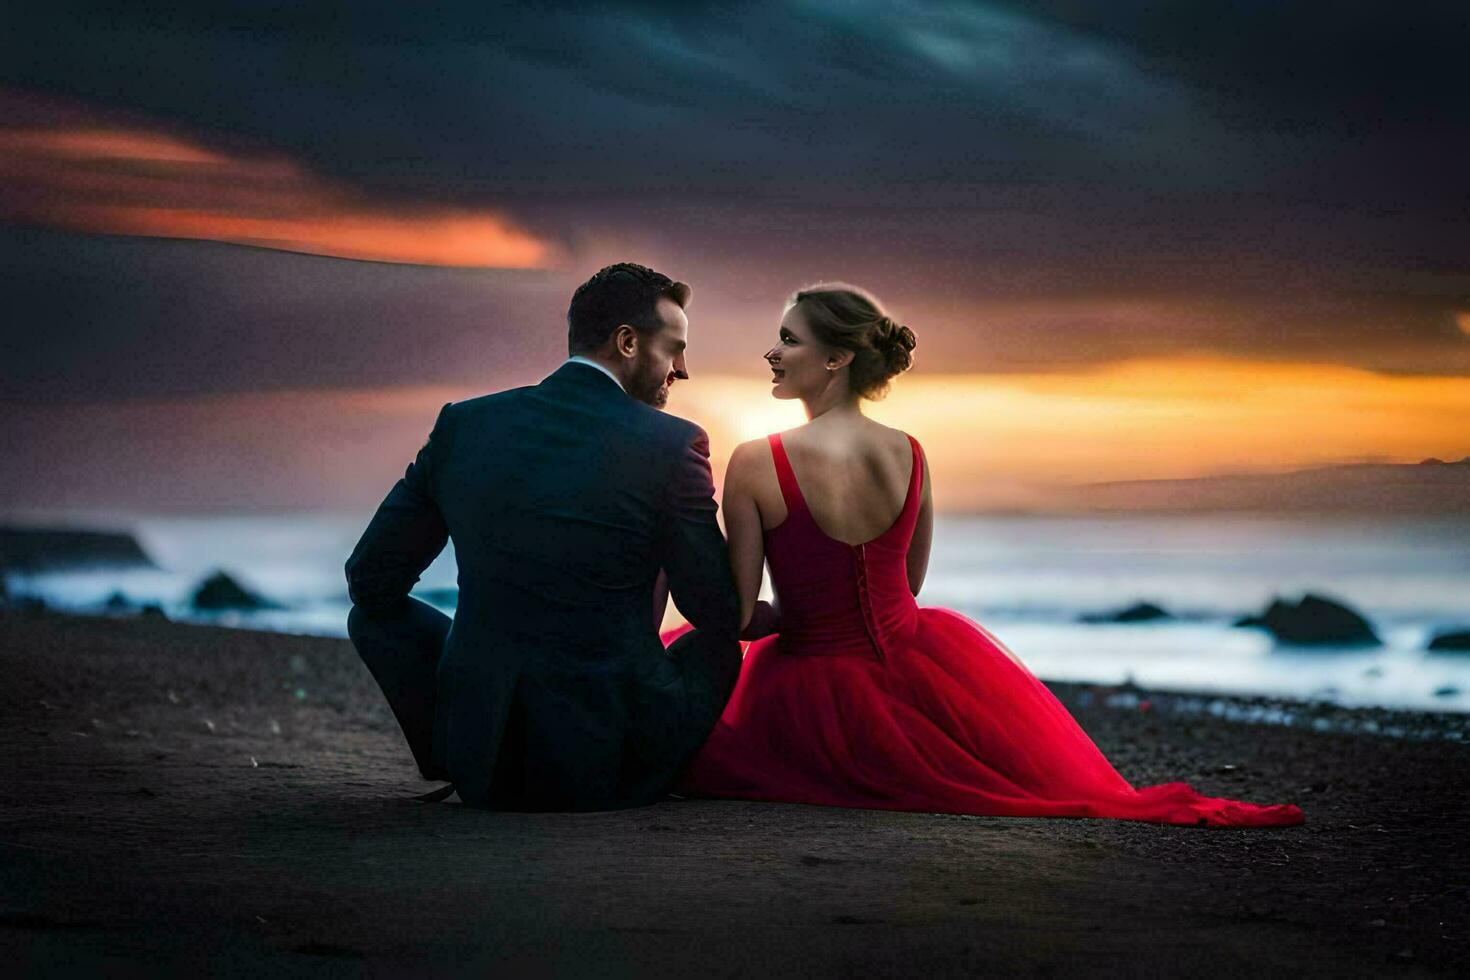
(564, 500)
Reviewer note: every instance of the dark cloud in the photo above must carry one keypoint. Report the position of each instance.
(816, 100)
(96, 318)
(101, 318)
(1032, 185)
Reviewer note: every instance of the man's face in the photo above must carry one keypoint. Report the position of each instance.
(660, 359)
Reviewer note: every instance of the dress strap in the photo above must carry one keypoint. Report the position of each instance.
(790, 490)
(916, 478)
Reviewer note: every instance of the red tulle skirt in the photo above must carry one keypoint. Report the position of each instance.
(950, 722)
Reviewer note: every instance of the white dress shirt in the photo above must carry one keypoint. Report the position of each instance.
(591, 363)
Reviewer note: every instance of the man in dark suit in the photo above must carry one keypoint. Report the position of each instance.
(570, 504)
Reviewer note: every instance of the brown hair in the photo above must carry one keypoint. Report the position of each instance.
(845, 316)
(625, 292)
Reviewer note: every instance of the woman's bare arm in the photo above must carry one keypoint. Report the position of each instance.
(918, 557)
(743, 528)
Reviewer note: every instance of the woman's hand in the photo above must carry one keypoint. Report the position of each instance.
(764, 621)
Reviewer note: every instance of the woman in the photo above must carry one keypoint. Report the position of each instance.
(864, 699)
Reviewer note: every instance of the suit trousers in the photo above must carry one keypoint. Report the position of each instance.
(689, 687)
(402, 648)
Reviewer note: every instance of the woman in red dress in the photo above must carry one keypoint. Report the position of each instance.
(859, 697)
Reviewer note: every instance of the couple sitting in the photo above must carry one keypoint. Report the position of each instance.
(577, 507)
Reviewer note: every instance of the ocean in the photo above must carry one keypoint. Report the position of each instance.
(1026, 578)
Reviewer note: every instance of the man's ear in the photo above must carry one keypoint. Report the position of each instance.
(625, 340)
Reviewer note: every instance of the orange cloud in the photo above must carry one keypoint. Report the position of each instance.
(131, 180)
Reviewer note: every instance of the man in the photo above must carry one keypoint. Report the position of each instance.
(569, 502)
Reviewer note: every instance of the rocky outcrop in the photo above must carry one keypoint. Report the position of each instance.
(1314, 621)
(219, 591)
(118, 604)
(1139, 612)
(1457, 641)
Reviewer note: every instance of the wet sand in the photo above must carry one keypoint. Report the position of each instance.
(179, 798)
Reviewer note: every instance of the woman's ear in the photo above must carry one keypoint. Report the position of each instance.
(839, 358)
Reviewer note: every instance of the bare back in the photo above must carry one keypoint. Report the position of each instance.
(854, 476)
(854, 480)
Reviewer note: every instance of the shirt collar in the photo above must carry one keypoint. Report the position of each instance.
(579, 359)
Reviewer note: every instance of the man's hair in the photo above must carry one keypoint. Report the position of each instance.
(622, 293)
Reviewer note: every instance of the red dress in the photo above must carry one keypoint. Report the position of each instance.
(867, 700)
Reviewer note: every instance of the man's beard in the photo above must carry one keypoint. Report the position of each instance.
(649, 389)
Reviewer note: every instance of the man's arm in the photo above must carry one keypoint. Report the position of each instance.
(692, 550)
(404, 536)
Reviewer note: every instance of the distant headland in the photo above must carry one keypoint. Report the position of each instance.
(1429, 487)
(32, 549)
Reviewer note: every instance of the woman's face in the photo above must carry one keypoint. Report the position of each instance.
(798, 362)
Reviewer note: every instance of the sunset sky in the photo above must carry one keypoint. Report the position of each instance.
(249, 254)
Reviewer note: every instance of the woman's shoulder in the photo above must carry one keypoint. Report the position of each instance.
(896, 442)
(751, 457)
(752, 450)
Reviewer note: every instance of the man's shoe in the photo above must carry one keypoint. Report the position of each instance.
(442, 793)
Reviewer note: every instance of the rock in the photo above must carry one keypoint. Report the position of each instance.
(1447, 691)
(220, 591)
(153, 611)
(28, 604)
(1314, 621)
(1453, 642)
(1139, 612)
(117, 602)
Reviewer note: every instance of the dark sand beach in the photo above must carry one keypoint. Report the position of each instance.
(183, 798)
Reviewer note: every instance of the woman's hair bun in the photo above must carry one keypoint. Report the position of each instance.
(845, 316)
(896, 343)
